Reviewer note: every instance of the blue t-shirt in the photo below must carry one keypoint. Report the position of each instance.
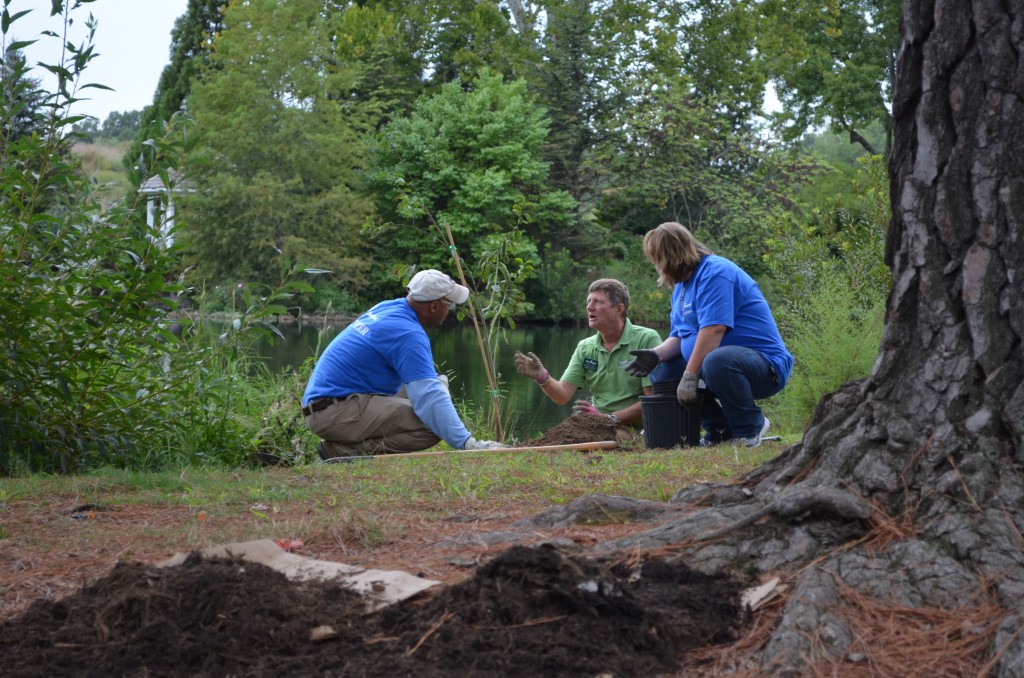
(383, 349)
(721, 293)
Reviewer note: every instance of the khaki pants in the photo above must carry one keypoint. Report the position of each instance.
(366, 423)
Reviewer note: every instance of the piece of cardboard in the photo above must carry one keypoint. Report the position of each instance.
(380, 588)
(759, 596)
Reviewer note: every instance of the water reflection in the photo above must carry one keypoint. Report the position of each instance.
(527, 412)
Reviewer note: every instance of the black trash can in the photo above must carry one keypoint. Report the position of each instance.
(667, 423)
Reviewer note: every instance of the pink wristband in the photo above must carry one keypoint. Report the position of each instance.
(543, 379)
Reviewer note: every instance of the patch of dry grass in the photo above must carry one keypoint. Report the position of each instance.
(102, 164)
(100, 157)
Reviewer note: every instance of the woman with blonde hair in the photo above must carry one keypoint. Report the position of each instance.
(721, 331)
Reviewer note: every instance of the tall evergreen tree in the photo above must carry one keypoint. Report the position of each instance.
(571, 79)
(23, 97)
(191, 39)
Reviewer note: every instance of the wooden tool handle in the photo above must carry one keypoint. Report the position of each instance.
(596, 445)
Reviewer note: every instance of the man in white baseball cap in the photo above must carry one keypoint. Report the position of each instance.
(375, 391)
(430, 284)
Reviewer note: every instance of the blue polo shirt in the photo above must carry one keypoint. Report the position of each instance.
(383, 349)
(721, 293)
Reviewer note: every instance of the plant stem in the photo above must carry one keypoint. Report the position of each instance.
(479, 337)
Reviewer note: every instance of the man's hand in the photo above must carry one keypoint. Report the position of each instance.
(686, 392)
(645, 361)
(529, 365)
(474, 444)
(584, 407)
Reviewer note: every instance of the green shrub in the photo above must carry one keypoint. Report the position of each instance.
(833, 283)
(223, 298)
(835, 341)
(91, 373)
(328, 296)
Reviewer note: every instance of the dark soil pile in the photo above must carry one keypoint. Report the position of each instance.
(529, 612)
(580, 429)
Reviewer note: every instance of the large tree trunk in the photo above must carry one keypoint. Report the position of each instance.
(908, 486)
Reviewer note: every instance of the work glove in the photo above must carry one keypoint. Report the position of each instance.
(583, 407)
(529, 365)
(474, 444)
(645, 361)
(686, 392)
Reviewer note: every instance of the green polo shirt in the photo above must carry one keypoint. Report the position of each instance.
(599, 371)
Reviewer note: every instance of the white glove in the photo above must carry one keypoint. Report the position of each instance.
(474, 444)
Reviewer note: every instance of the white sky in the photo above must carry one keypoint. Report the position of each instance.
(133, 39)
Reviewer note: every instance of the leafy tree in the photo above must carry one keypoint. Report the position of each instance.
(389, 52)
(467, 157)
(832, 63)
(278, 168)
(841, 163)
(87, 130)
(715, 51)
(687, 163)
(462, 36)
(117, 126)
(570, 78)
(584, 61)
(121, 126)
(376, 58)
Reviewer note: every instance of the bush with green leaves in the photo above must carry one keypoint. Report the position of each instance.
(91, 371)
(833, 284)
(469, 156)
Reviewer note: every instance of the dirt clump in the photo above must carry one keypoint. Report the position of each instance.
(577, 429)
(530, 611)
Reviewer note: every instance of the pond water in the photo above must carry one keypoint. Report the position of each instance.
(526, 411)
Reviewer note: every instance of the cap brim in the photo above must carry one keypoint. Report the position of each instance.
(459, 294)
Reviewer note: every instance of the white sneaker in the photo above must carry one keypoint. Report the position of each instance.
(756, 440)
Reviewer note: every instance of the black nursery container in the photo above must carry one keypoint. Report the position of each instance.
(667, 423)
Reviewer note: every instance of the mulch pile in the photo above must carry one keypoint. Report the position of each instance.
(531, 611)
(579, 429)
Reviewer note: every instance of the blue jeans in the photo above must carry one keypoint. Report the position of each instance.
(734, 377)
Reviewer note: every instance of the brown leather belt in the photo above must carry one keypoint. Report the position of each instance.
(318, 405)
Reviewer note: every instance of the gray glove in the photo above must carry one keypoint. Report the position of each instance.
(529, 365)
(474, 444)
(645, 361)
(686, 392)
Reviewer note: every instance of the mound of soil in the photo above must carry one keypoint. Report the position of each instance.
(580, 429)
(529, 612)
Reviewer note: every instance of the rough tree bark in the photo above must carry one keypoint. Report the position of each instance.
(908, 485)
